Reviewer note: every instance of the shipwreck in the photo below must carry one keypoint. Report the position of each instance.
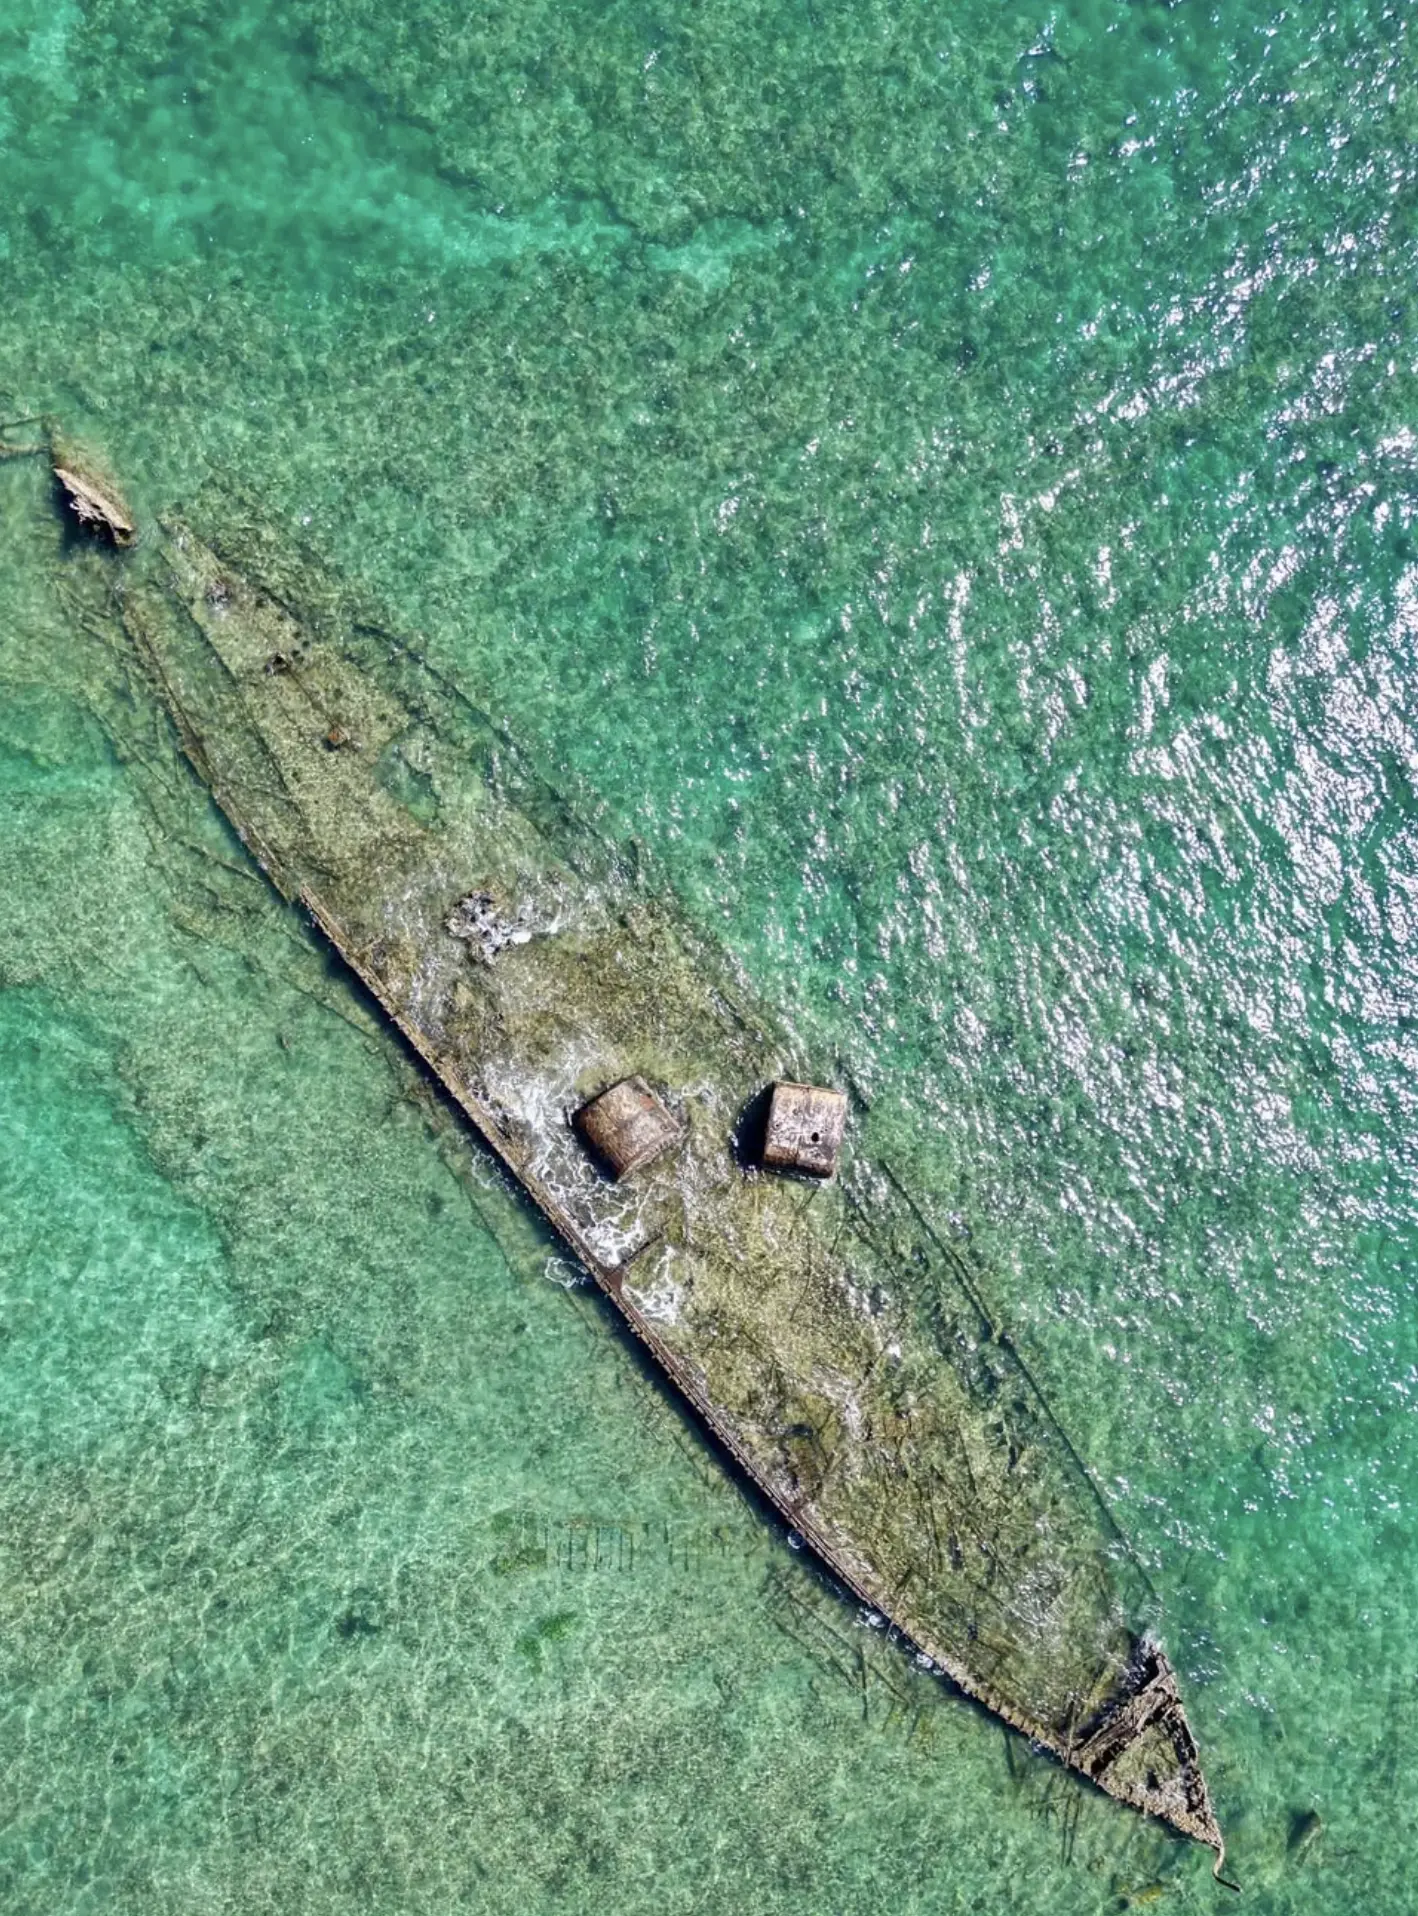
(837, 1348)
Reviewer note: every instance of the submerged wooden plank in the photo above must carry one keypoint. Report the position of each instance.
(832, 1345)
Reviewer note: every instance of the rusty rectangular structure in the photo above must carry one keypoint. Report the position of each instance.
(805, 1128)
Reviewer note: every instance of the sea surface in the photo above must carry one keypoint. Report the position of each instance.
(943, 480)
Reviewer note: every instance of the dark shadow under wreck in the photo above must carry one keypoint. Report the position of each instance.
(835, 1347)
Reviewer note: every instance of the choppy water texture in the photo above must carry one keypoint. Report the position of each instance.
(943, 481)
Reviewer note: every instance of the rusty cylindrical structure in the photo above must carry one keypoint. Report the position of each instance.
(627, 1126)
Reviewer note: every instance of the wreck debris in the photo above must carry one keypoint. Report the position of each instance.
(627, 1126)
(805, 1126)
(837, 1349)
(93, 499)
(475, 918)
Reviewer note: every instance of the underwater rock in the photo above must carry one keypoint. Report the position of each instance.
(1306, 1828)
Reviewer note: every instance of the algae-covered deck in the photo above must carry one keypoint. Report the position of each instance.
(824, 1332)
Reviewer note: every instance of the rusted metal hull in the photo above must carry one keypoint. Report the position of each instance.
(837, 1347)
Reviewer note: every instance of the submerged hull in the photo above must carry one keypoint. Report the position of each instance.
(834, 1346)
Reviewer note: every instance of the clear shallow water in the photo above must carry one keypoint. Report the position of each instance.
(945, 484)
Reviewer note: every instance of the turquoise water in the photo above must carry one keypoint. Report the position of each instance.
(944, 482)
